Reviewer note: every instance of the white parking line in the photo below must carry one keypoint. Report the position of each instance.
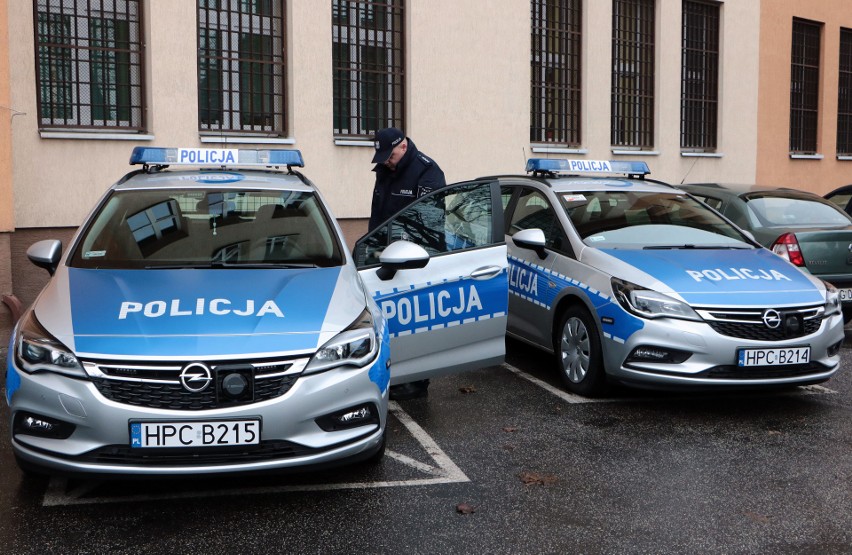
(577, 399)
(443, 471)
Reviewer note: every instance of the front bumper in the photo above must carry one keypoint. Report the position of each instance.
(290, 436)
(713, 357)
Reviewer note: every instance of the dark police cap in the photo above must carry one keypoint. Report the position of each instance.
(385, 141)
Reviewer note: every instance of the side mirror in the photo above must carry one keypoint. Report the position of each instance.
(46, 254)
(401, 255)
(532, 239)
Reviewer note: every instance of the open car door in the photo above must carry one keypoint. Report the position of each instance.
(438, 271)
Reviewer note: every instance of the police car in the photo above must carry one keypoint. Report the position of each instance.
(208, 319)
(630, 280)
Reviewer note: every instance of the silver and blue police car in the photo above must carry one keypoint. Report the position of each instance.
(208, 319)
(630, 280)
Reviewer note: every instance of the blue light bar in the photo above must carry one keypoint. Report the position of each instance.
(587, 166)
(218, 157)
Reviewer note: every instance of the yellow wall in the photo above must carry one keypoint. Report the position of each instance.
(774, 165)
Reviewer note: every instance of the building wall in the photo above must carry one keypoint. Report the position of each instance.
(7, 213)
(467, 101)
(774, 165)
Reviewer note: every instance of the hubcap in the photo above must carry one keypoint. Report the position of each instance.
(575, 350)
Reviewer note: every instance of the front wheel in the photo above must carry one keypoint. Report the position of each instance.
(577, 345)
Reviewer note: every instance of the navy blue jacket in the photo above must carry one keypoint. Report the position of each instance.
(415, 175)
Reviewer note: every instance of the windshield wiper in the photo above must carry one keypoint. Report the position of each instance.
(697, 247)
(231, 266)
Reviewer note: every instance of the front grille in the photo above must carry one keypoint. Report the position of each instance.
(266, 450)
(749, 324)
(158, 386)
(731, 372)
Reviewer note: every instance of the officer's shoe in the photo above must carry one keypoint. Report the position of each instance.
(411, 390)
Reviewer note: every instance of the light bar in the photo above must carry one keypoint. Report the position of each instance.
(219, 157)
(587, 166)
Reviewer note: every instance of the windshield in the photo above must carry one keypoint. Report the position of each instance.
(787, 211)
(635, 220)
(208, 228)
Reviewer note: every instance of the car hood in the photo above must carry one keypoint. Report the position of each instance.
(723, 277)
(199, 313)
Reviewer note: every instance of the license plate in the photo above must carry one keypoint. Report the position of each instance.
(845, 295)
(774, 357)
(216, 433)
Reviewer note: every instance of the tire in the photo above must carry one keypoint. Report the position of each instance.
(377, 457)
(579, 361)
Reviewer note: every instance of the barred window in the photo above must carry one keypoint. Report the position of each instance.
(241, 67)
(555, 88)
(804, 86)
(844, 95)
(89, 60)
(368, 65)
(633, 73)
(699, 86)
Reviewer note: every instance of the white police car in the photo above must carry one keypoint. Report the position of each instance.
(210, 320)
(634, 281)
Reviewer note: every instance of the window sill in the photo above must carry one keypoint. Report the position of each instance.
(354, 142)
(806, 156)
(844, 157)
(89, 136)
(701, 154)
(242, 140)
(636, 152)
(558, 150)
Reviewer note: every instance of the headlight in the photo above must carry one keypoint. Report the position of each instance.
(38, 351)
(355, 346)
(650, 304)
(832, 300)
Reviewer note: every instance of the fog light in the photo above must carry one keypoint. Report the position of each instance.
(834, 349)
(650, 353)
(359, 415)
(42, 426)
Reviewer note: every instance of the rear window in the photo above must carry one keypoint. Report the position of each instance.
(778, 211)
(208, 228)
(614, 219)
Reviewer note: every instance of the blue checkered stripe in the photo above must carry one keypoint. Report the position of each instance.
(436, 305)
(532, 283)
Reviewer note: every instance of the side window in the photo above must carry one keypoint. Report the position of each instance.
(454, 218)
(714, 203)
(534, 211)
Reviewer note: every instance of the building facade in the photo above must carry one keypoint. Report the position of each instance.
(729, 90)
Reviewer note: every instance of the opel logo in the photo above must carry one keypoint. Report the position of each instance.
(771, 318)
(195, 377)
(850, 247)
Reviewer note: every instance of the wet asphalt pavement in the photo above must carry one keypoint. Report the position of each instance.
(500, 460)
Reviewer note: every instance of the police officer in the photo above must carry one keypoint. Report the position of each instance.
(403, 174)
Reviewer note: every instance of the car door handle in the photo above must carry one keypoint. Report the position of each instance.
(486, 272)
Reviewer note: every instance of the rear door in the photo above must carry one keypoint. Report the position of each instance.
(450, 315)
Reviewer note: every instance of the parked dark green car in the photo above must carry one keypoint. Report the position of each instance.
(809, 231)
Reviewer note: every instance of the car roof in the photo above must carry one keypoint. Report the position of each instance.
(214, 178)
(585, 183)
(741, 188)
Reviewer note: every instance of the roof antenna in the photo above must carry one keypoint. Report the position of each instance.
(689, 170)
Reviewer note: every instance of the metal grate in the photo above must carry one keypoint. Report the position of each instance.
(844, 95)
(699, 86)
(89, 64)
(633, 73)
(804, 86)
(556, 64)
(241, 66)
(368, 61)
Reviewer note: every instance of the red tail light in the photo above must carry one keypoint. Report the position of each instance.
(787, 247)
